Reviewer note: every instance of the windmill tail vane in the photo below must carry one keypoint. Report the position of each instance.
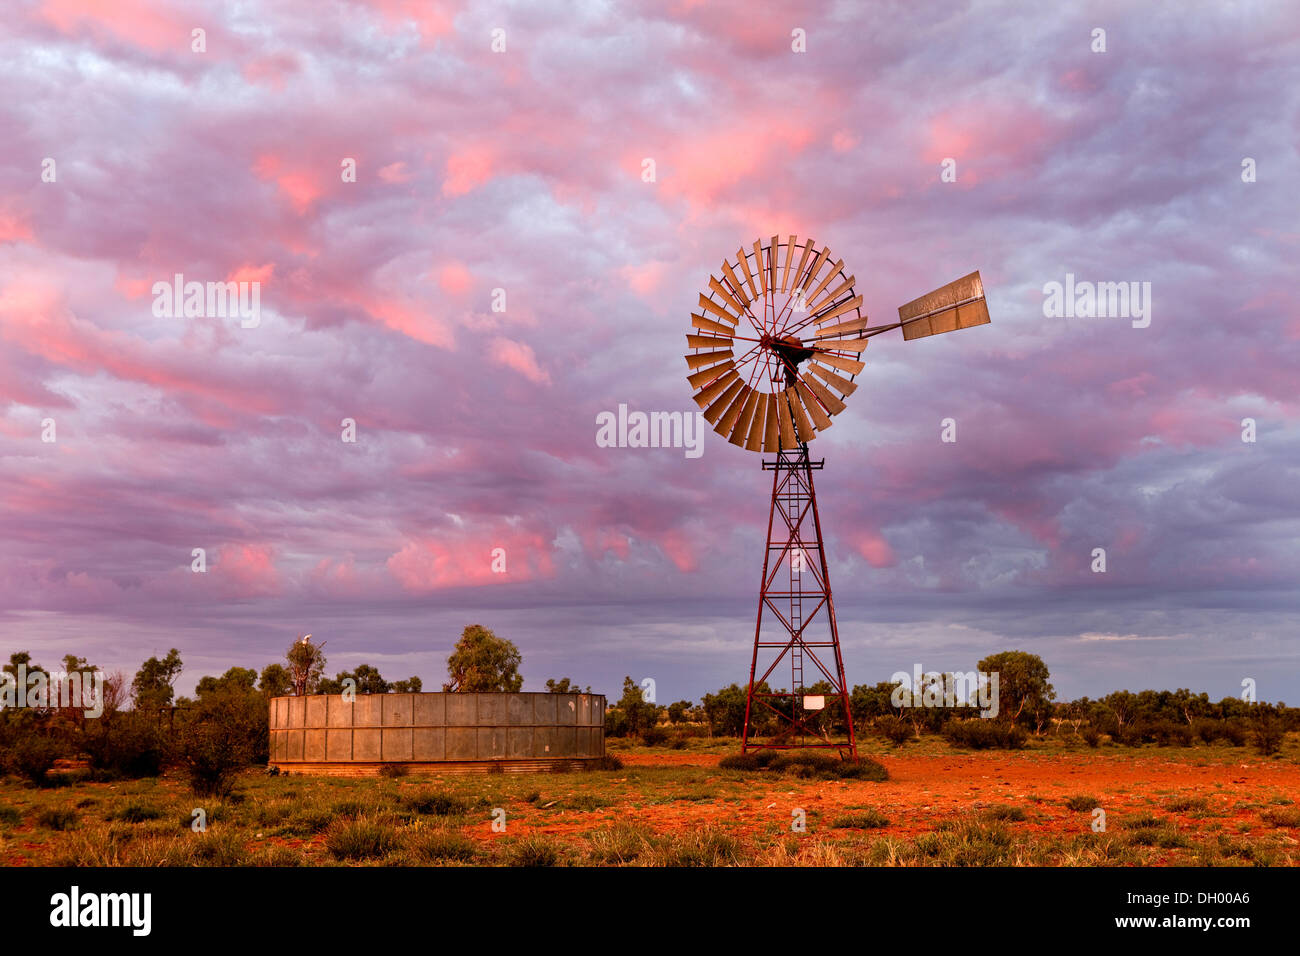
(775, 345)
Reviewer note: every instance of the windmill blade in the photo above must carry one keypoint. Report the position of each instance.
(708, 342)
(848, 305)
(737, 288)
(785, 422)
(832, 296)
(835, 361)
(798, 273)
(742, 260)
(771, 429)
(852, 325)
(697, 359)
(842, 345)
(755, 440)
(820, 419)
(771, 262)
(709, 392)
(835, 270)
(785, 273)
(728, 420)
(710, 306)
(803, 427)
(816, 267)
(846, 387)
(721, 403)
(709, 374)
(725, 295)
(708, 325)
(741, 431)
(824, 394)
(759, 268)
(957, 305)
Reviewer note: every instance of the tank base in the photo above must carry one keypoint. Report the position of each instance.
(433, 768)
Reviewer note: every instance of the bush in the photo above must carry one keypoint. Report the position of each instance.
(32, 755)
(360, 839)
(1002, 811)
(438, 804)
(739, 762)
(1268, 734)
(1081, 802)
(394, 770)
(218, 741)
(57, 819)
(894, 729)
(440, 845)
(1091, 736)
(860, 820)
(1207, 730)
(653, 736)
(605, 762)
(980, 734)
(136, 812)
(534, 851)
(10, 817)
(1234, 732)
(125, 744)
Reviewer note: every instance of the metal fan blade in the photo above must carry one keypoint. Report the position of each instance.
(710, 306)
(697, 359)
(832, 296)
(852, 325)
(737, 288)
(741, 431)
(803, 427)
(785, 422)
(785, 273)
(771, 430)
(710, 391)
(709, 374)
(843, 345)
(847, 306)
(835, 270)
(725, 294)
(708, 342)
(720, 404)
(728, 420)
(835, 361)
(827, 397)
(799, 282)
(846, 387)
(759, 267)
(819, 417)
(957, 305)
(815, 268)
(755, 440)
(771, 262)
(708, 325)
(742, 260)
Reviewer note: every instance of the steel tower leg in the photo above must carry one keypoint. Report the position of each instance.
(803, 635)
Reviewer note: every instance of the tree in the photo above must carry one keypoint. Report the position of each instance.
(152, 687)
(564, 686)
(483, 663)
(275, 681)
(640, 715)
(412, 685)
(306, 665)
(679, 711)
(1023, 688)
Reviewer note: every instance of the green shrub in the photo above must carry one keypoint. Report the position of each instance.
(1267, 734)
(1281, 818)
(1001, 811)
(739, 762)
(605, 762)
(533, 851)
(57, 819)
(1091, 735)
(701, 847)
(894, 729)
(360, 839)
(32, 755)
(437, 804)
(653, 736)
(125, 744)
(1234, 732)
(136, 812)
(9, 816)
(860, 820)
(441, 845)
(218, 740)
(619, 844)
(1081, 802)
(981, 734)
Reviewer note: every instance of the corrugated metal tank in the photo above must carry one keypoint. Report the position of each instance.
(443, 732)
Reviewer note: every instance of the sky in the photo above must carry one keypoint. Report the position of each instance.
(135, 150)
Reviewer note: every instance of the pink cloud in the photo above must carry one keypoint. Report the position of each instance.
(518, 356)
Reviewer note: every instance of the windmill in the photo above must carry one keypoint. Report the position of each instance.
(775, 346)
